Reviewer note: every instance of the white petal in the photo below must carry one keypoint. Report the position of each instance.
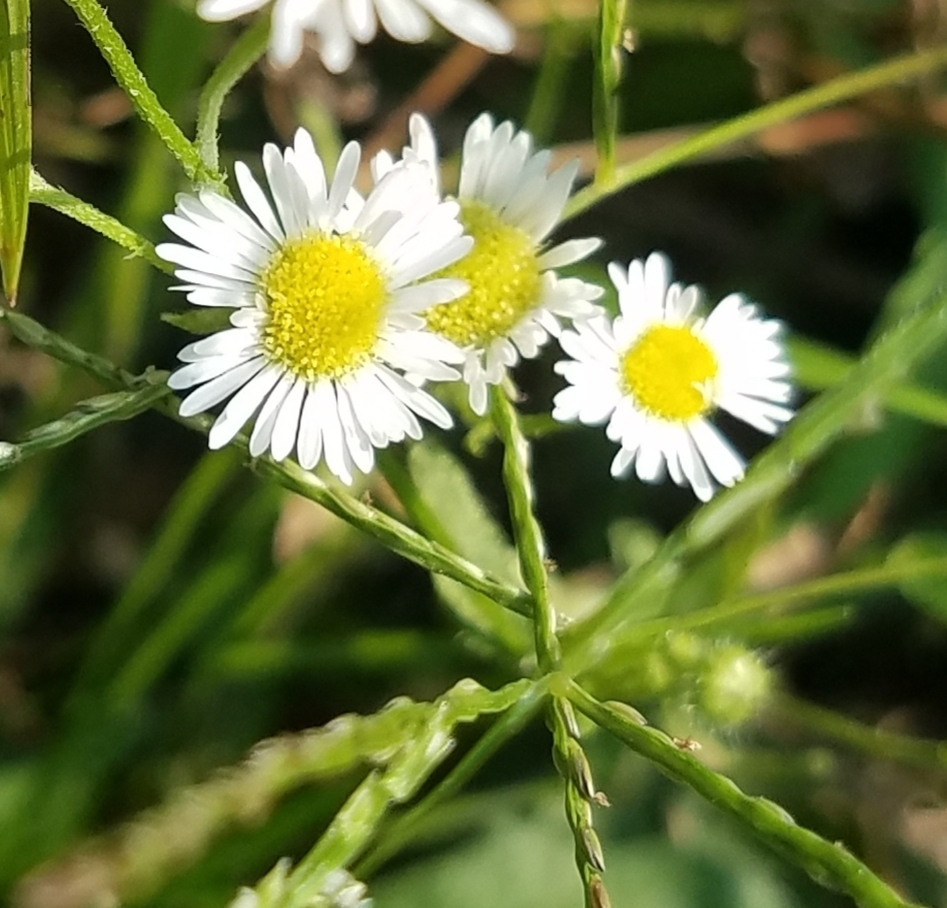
(204, 370)
(403, 20)
(343, 178)
(286, 35)
(206, 396)
(309, 448)
(569, 252)
(361, 22)
(223, 10)
(266, 421)
(475, 22)
(356, 439)
(256, 201)
(242, 406)
(286, 428)
(724, 463)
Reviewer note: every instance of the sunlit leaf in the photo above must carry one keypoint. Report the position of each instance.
(15, 139)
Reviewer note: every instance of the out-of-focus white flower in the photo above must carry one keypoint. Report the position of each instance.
(659, 370)
(339, 24)
(326, 289)
(509, 204)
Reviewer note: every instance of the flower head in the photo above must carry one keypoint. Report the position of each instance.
(509, 204)
(341, 23)
(659, 370)
(326, 288)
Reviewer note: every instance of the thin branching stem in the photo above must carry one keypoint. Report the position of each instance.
(568, 754)
(828, 863)
(83, 418)
(402, 831)
(389, 531)
(246, 50)
(120, 60)
(42, 193)
(805, 102)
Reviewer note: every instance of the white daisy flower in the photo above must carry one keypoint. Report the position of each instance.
(509, 204)
(660, 370)
(326, 288)
(340, 23)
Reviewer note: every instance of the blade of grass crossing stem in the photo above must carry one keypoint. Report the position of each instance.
(15, 139)
(608, 70)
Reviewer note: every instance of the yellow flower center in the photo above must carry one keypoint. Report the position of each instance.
(503, 275)
(669, 371)
(325, 297)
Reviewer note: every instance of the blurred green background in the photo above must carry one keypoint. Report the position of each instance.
(162, 609)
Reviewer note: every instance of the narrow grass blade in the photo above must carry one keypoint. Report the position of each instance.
(15, 139)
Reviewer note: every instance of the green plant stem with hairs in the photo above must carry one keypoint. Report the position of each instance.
(391, 532)
(568, 755)
(828, 863)
(246, 50)
(143, 99)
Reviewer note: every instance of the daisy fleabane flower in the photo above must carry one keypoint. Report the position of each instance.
(659, 370)
(326, 287)
(509, 204)
(339, 24)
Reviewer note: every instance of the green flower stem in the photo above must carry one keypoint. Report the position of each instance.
(88, 215)
(414, 758)
(568, 754)
(375, 523)
(608, 72)
(841, 584)
(394, 534)
(812, 432)
(144, 100)
(829, 864)
(35, 335)
(144, 854)
(805, 102)
(403, 830)
(85, 417)
(918, 753)
(527, 534)
(246, 50)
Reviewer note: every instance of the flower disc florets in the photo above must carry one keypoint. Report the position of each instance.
(509, 205)
(326, 288)
(325, 297)
(502, 270)
(657, 371)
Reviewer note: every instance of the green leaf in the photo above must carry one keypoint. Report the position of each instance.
(15, 139)
(199, 321)
(466, 526)
(926, 592)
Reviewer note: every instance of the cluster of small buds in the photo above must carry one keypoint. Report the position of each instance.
(725, 682)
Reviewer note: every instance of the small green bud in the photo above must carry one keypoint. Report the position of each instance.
(735, 685)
